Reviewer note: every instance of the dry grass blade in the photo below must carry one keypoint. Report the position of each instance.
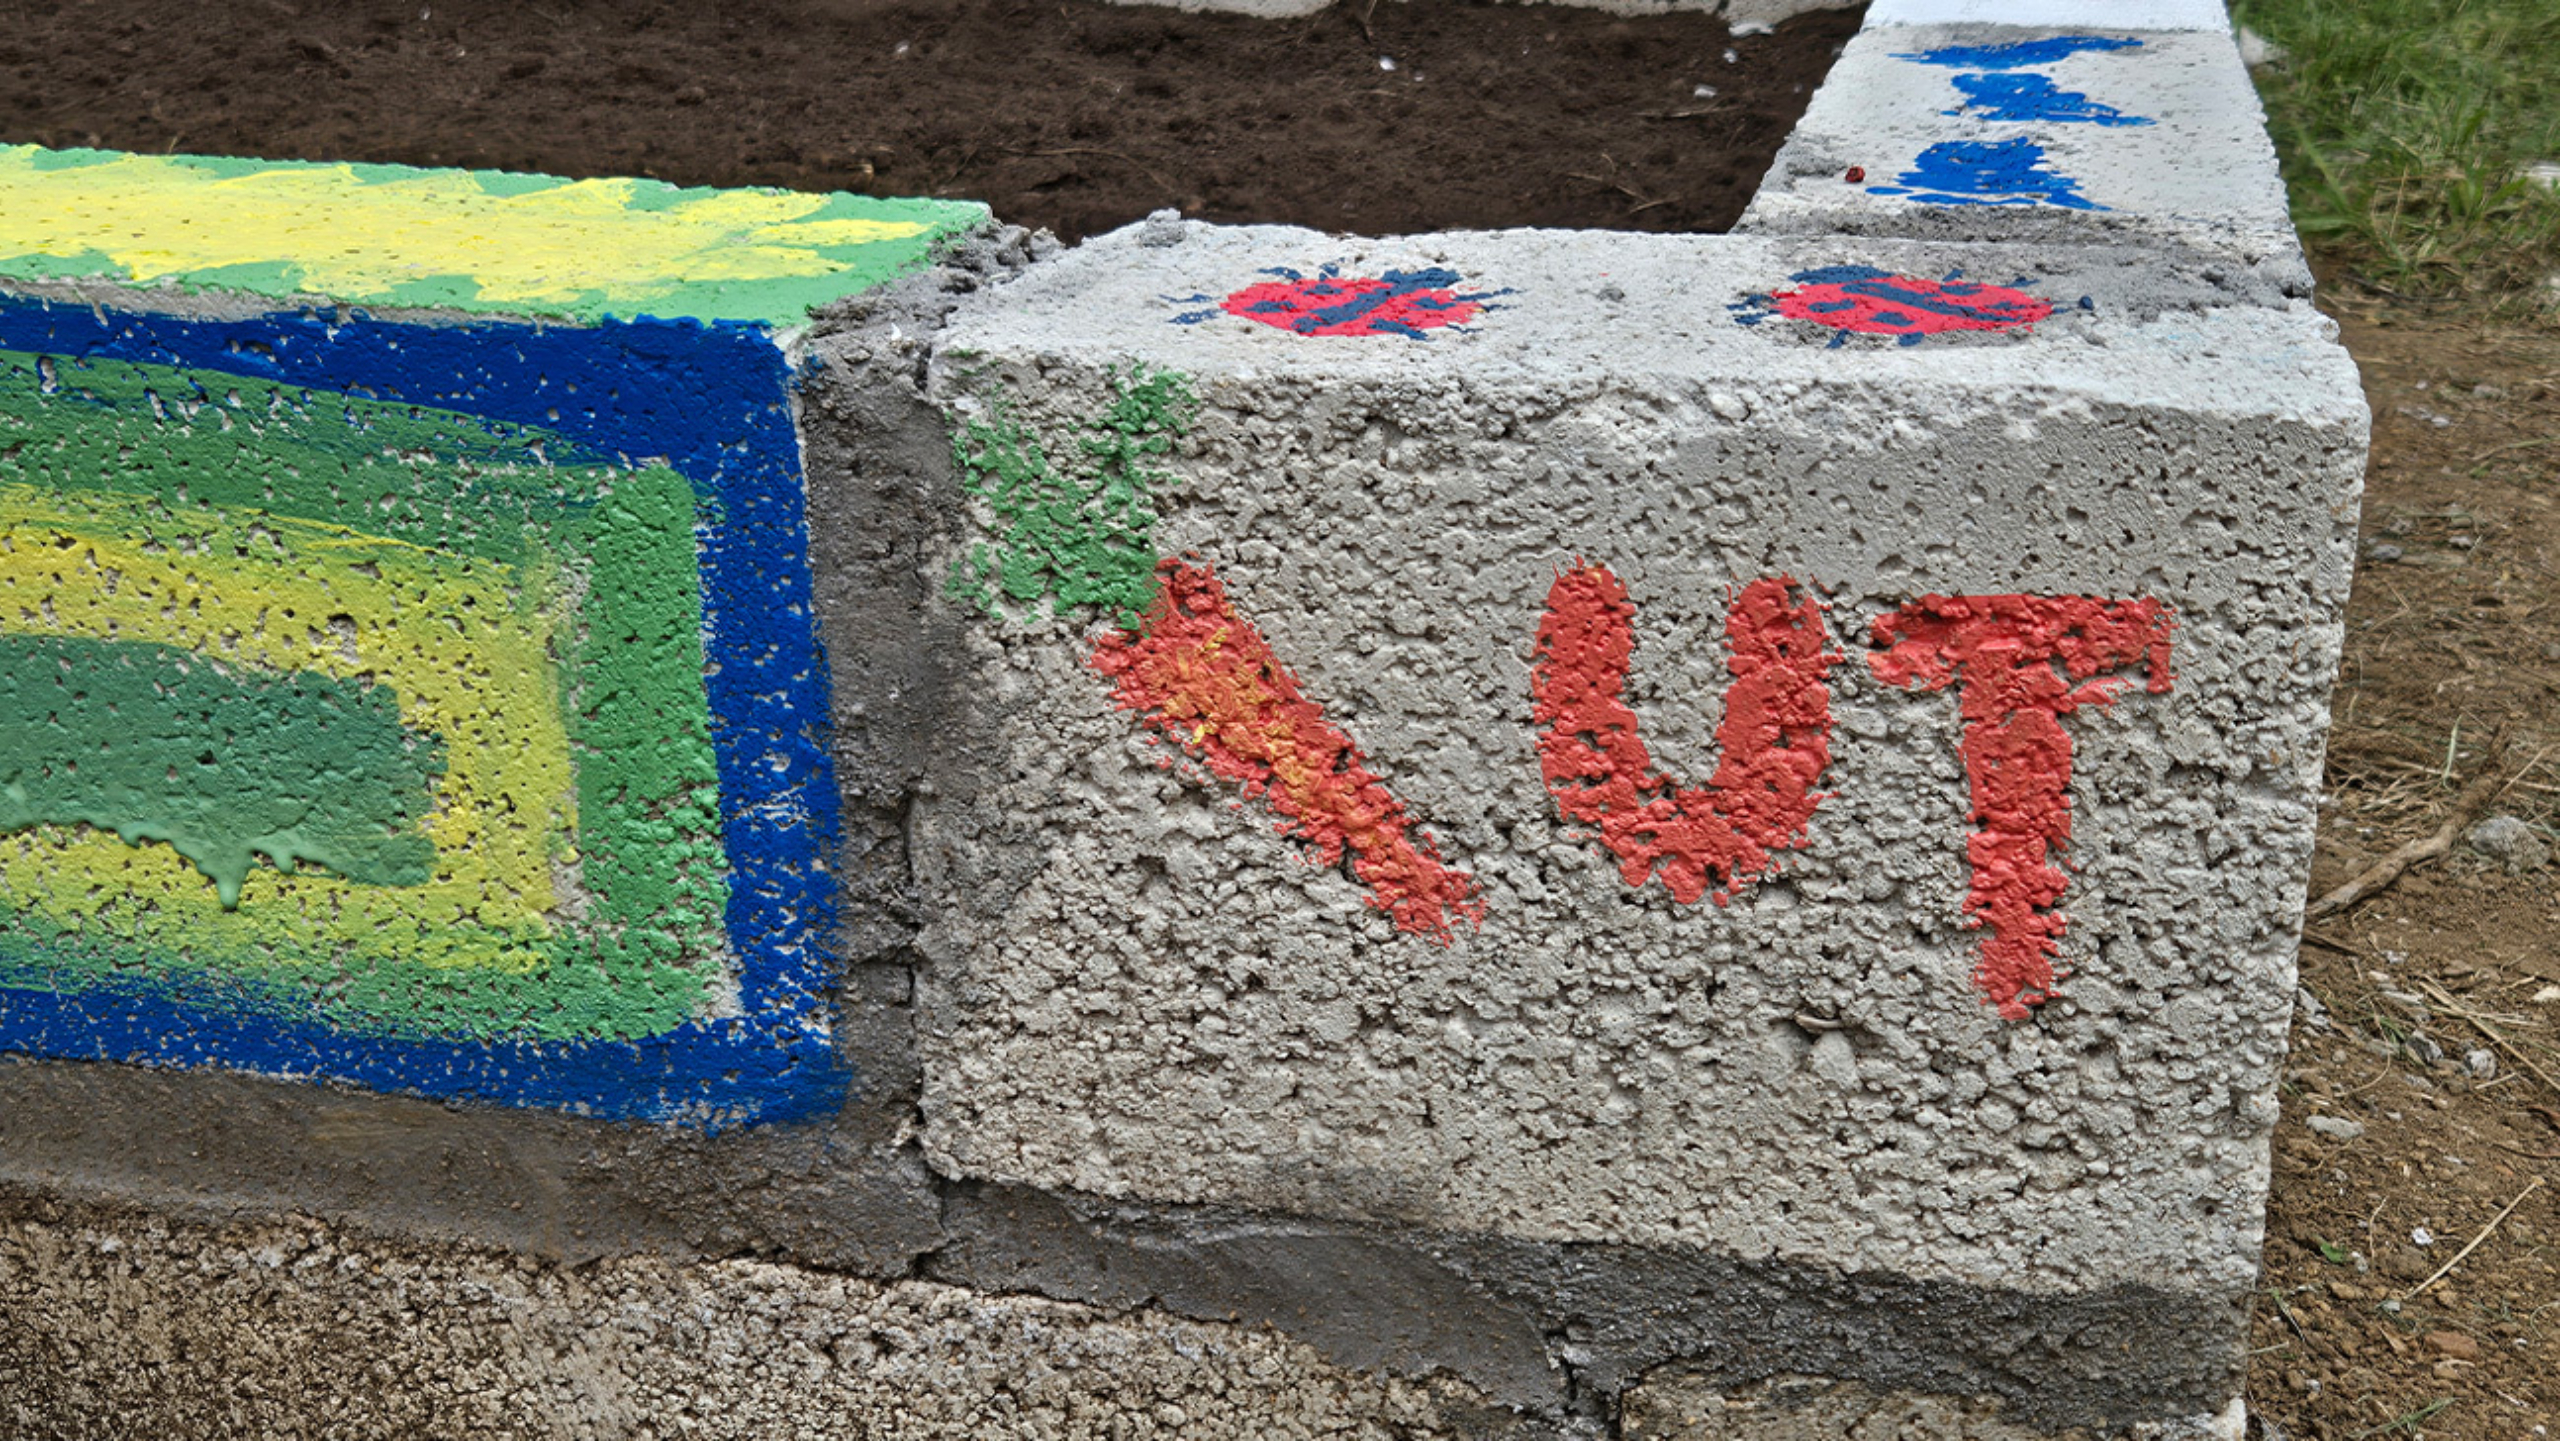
(2447, 1268)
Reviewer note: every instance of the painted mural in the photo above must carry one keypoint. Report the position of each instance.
(429, 705)
(1073, 525)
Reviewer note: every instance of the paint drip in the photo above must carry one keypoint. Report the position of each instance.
(1774, 740)
(1204, 677)
(2020, 663)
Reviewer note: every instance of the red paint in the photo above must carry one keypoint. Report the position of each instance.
(1874, 302)
(1856, 174)
(2020, 663)
(1774, 740)
(1400, 302)
(1203, 676)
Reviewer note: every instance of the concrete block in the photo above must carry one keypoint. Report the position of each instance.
(1481, 732)
(1974, 120)
(479, 498)
(117, 1316)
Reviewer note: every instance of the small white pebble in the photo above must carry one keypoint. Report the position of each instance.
(2423, 1236)
(1704, 92)
(1731, 58)
(1386, 64)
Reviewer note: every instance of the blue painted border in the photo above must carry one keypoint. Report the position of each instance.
(714, 402)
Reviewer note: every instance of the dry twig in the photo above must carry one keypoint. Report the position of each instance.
(2447, 1268)
(2467, 806)
(2483, 1027)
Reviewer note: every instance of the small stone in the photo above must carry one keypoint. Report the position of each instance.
(2482, 1063)
(2454, 1344)
(2335, 1128)
(2422, 1236)
(1162, 228)
(2511, 840)
(2384, 552)
(1728, 405)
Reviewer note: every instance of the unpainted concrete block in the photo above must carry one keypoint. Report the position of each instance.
(293, 1330)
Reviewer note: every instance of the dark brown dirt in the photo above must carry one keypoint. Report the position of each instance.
(1070, 114)
(2454, 632)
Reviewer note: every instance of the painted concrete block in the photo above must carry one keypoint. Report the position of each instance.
(2120, 124)
(1801, 751)
(410, 675)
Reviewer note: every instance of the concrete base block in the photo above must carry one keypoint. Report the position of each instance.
(294, 1329)
(1679, 1406)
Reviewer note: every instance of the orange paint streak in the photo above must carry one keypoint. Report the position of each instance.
(1204, 677)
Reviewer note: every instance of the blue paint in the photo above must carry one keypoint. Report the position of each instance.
(712, 402)
(1398, 287)
(2033, 97)
(2018, 53)
(1986, 172)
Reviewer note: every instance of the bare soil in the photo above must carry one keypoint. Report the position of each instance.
(2453, 635)
(1076, 115)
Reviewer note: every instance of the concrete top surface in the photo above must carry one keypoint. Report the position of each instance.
(2082, 129)
(2112, 14)
(1530, 307)
(471, 240)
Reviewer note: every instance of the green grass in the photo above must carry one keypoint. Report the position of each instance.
(2407, 128)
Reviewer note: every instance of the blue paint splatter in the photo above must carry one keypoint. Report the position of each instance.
(714, 403)
(1986, 172)
(2016, 54)
(2033, 97)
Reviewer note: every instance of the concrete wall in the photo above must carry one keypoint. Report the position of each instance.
(851, 825)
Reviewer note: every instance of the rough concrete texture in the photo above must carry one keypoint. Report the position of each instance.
(292, 1330)
(1680, 1407)
(2026, 131)
(1134, 986)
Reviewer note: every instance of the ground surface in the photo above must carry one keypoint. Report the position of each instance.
(2455, 623)
(1070, 114)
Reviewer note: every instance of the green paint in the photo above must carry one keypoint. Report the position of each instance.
(157, 744)
(1079, 536)
(482, 241)
(640, 955)
(204, 441)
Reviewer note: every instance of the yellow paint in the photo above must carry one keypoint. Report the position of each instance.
(345, 233)
(465, 642)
